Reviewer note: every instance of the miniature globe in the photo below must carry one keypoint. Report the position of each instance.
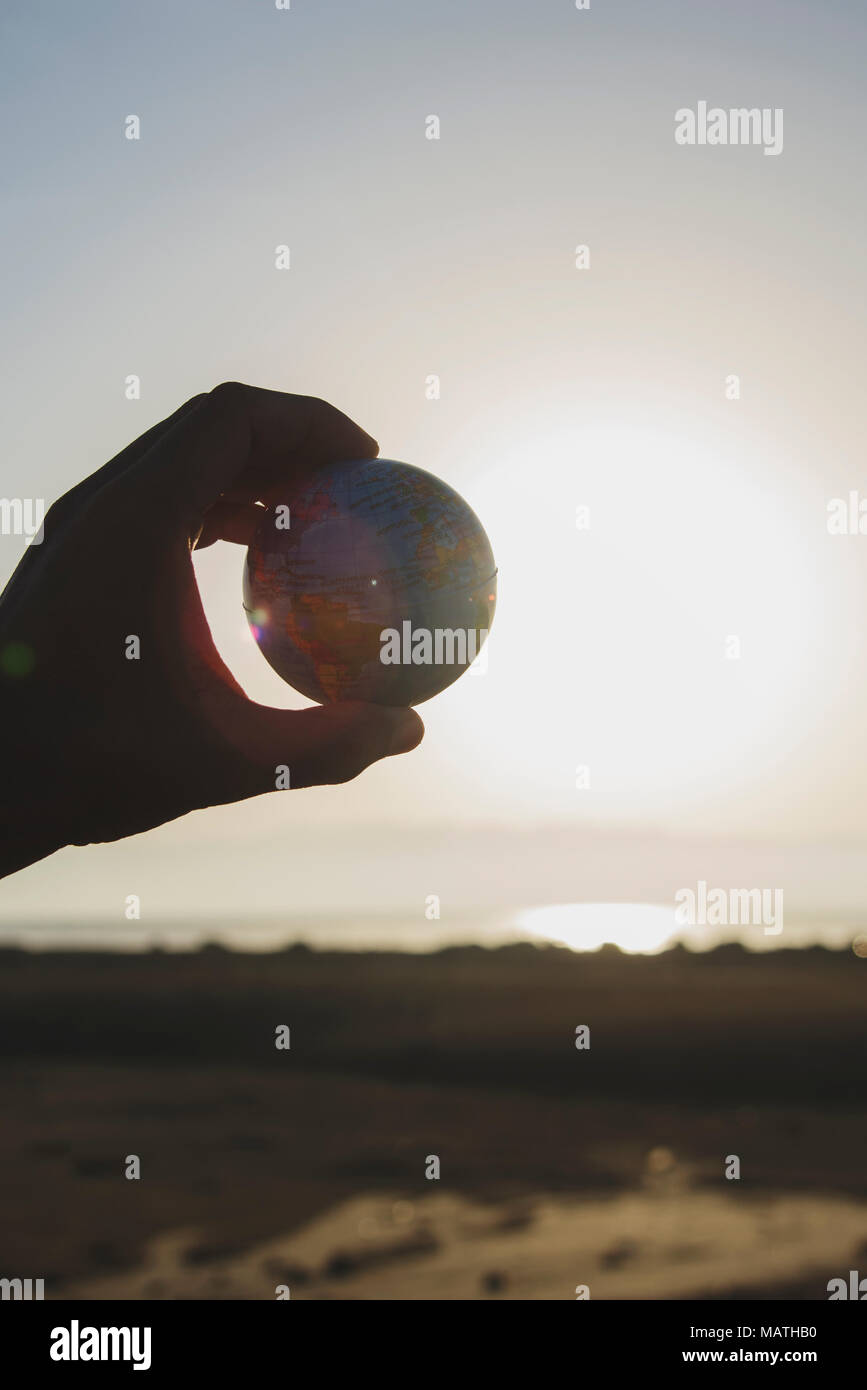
(372, 580)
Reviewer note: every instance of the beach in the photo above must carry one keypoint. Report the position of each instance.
(300, 1171)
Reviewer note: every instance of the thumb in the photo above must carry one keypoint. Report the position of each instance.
(324, 745)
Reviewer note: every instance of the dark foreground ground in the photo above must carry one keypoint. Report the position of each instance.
(558, 1167)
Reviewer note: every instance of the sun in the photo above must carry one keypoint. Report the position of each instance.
(655, 607)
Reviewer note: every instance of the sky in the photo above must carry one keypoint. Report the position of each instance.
(598, 393)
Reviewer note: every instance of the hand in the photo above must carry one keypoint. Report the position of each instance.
(97, 746)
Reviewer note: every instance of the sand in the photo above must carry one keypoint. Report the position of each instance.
(306, 1168)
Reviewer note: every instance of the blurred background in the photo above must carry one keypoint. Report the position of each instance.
(674, 686)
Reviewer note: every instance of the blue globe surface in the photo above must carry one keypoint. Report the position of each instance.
(374, 580)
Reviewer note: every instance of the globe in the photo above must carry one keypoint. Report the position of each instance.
(372, 580)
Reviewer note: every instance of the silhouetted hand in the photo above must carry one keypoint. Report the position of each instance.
(97, 746)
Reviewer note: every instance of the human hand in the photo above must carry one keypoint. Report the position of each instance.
(98, 746)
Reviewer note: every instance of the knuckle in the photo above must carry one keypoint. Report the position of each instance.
(61, 508)
(319, 412)
(196, 400)
(229, 393)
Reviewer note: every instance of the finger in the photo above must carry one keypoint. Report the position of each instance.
(320, 746)
(241, 438)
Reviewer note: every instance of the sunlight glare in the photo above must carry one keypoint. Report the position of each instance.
(642, 928)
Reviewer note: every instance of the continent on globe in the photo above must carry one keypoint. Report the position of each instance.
(370, 580)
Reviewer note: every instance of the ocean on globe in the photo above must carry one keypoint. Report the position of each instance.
(372, 580)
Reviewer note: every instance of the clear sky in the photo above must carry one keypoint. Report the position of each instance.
(601, 388)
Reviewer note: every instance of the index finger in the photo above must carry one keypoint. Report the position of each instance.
(245, 440)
